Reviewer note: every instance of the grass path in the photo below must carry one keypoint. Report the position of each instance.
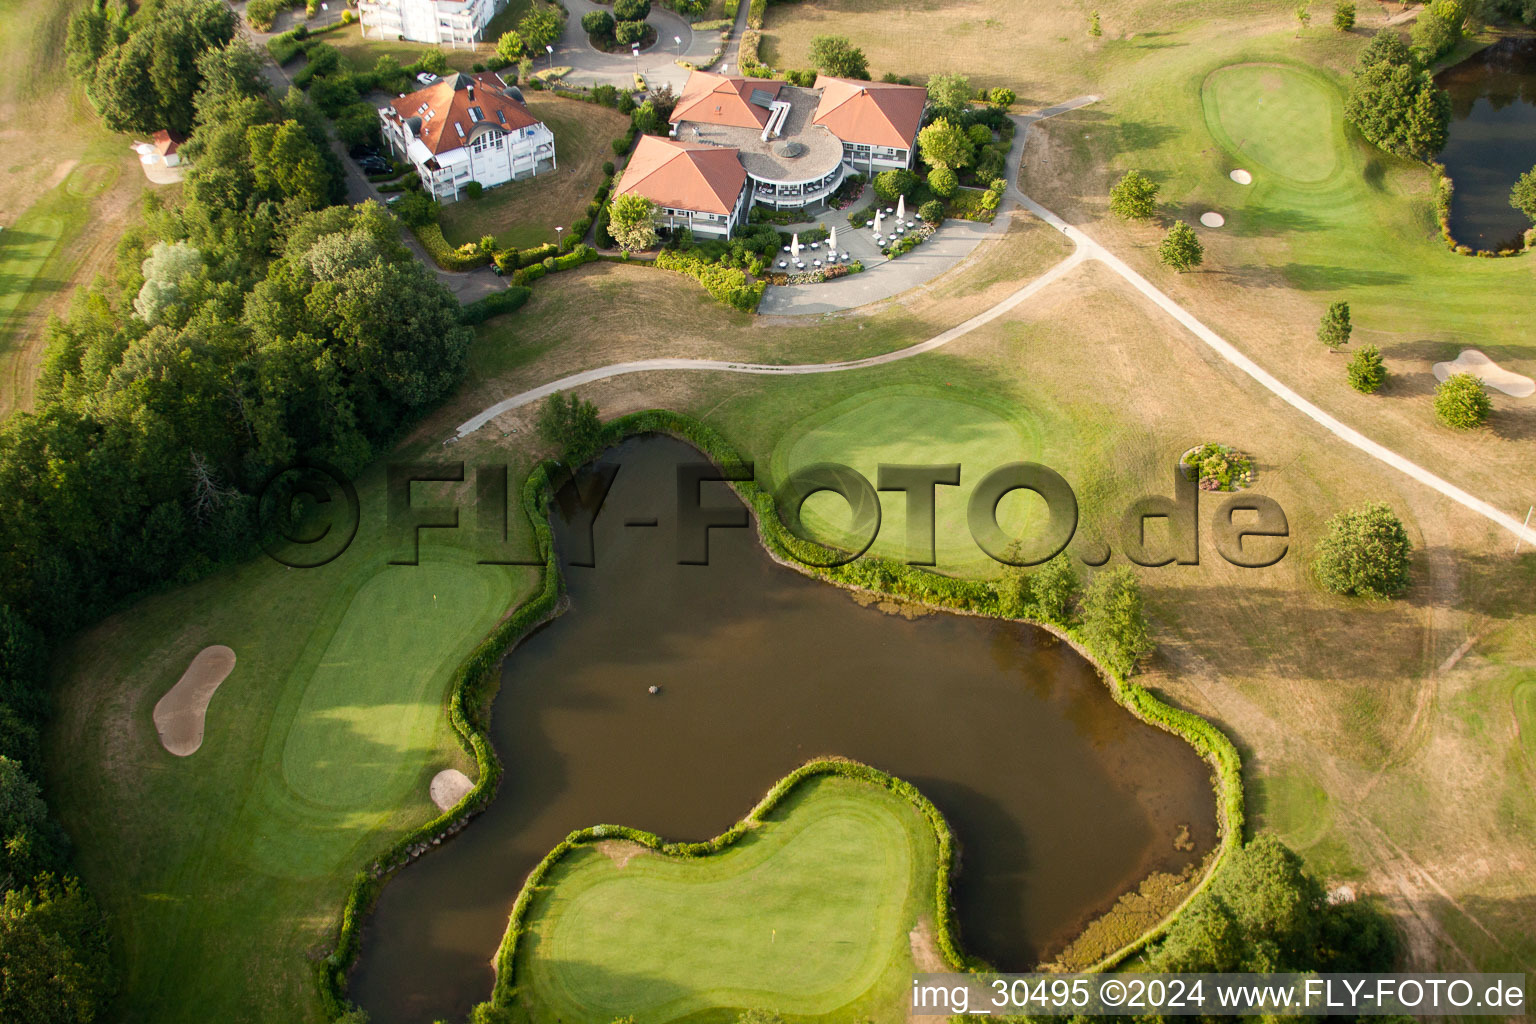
(810, 916)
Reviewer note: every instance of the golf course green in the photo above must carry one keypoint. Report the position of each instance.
(1269, 117)
(914, 425)
(810, 914)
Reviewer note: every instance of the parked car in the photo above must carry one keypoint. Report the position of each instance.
(392, 200)
(359, 151)
(427, 78)
(374, 165)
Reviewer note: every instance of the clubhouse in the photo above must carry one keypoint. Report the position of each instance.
(736, 141)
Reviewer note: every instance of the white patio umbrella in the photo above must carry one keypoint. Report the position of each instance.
(832, 239)
(794, 247)
(901, 209)
(878, 215)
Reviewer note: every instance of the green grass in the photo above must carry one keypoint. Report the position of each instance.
(225, 871)
(1295, 806)
(1271, 116)
(1524, 699)
(809, 915)
(922, 426)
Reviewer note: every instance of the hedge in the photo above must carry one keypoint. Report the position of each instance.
(508, 300)
(475, 681)
(725, 284)
(532, 271)
(504, 991)
(466, 257)
(284, 47)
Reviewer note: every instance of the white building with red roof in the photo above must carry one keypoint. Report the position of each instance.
(793, 146)
(468, 128)
(453, 23)
(702, 188)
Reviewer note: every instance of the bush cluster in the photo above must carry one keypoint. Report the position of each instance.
(726, 284)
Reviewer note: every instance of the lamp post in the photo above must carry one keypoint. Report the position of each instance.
(557, 238)
(551, 51)
(679, 41)
(634, 50)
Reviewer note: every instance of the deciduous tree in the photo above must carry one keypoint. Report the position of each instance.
(945, 143)
(1523, 196)
(1134, 196)
(571, 425)
(837, 56)
(632, 222)
(1113, 622)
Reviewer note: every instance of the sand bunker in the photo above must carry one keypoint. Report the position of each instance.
(1491, 373)
(179, 714)
(448, 787)
(1212, 219)
(1242, 177)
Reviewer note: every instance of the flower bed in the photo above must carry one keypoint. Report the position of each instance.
(1218, 467)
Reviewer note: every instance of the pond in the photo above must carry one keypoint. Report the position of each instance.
(1492, 140)
(1060, 799)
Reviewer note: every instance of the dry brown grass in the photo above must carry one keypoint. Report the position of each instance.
(522, 214)
(1041, 50)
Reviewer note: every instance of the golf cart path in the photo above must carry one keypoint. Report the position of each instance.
(1087, 249)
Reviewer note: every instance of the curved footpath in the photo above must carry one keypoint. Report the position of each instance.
(1087, 249)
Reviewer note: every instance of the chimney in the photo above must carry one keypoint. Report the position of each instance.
(471, 92)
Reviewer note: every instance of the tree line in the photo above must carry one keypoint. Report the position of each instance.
(253, 324)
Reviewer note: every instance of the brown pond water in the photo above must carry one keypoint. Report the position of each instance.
(1061, 800)
(1492, 140)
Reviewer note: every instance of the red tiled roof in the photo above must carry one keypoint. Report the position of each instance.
(166, 142)
(708, 179)
(871, 113)
(709, 98)
(444, 104)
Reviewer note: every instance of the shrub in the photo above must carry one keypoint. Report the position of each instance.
(893, 183)
(1461, 402)
(726, 284)
(942, 181)
(599, 24)
(629, 32)
(979, 134)
(1366, 371)
(631, 10)
(1180, 249)
(608, 168)
(1001, 96)
(1344, 15)
(1364, 552)
(1335, 328)
(932, 212)
(1134, 197)
(508, 300)
(465, 257)
(1113, 622)
(473, 189)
